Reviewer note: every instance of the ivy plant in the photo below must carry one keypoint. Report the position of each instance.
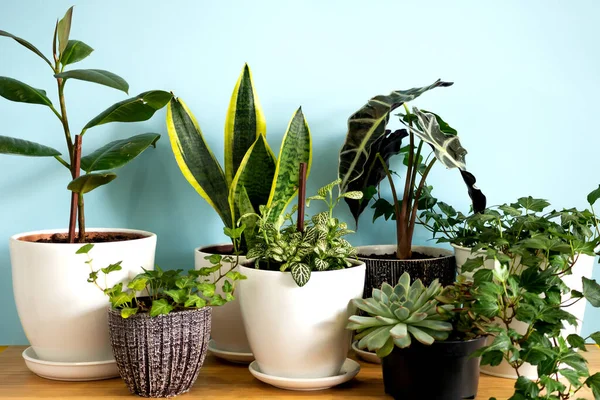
(99, 164)
(162, 292)
(319, 246)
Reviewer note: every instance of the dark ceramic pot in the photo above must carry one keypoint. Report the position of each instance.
(441, 266)
(160, 356)
(442, 371)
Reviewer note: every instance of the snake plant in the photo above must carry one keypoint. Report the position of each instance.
(252, 175)
(398, 314)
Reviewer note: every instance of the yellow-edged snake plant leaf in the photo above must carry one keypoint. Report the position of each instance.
(367, 125)
(196, 161)
(244, 123)
(296, 148)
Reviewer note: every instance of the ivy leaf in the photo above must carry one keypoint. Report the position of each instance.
(593, 382)
(492, 358)
(178, 295)
(127, 312)
(195, 301)
(531, 204)
(591, 291)
(112, 268)
(528, 387)
(301, 273)
(235, 276)
(207, 289)
(121, 298)
(93, 277)
(593, 196)
(472, 264)
(85, 248)
(575, 360)
(138, 284)
(596, 337)
(159, 307)
(576, 341)
(218, 300)
(551, 385)
(483, 275)
(214, 258)
(572, 376)
(227, 287)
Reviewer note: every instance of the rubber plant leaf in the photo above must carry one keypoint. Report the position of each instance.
(64, 30)
(26, 44)
(387, 145)
(76, 51)
(244, 123)
(20, 147)
(139, 108)
(88, 182)
(296, 148)
(367, 125)
(196, 161)
(118, 153)
(14, 90)
(255, 175)
(98, 76)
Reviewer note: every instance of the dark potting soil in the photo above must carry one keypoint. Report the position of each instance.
(222, 250)
(91, 237)
(415, 256)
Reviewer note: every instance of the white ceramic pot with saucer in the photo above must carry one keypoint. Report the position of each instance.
(63, 315)
(462, 254)
(228, 335)
(299, 332)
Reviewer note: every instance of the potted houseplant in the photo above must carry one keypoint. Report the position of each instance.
(157, 317)
(297, 296)
(364, 163)
(545, 261)
(251, 177)
(44, 261)
(425, 336)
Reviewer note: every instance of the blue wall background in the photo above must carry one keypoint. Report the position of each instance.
(524, 101)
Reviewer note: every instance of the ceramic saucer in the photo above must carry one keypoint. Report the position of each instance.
(366, 355)
(70, 371)
(239, 358)
(348, 371)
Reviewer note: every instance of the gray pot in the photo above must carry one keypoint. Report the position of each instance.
(160, 356)
(442, 266)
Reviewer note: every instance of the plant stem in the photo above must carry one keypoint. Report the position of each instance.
(404, 239)
(64, 119)
(76, 200)
(415, 206)
(63, 162)
(81, 217)
(394, 196)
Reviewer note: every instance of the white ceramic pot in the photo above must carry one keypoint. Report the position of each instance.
(300, 332)
(64, 316)
(227, 330)
(463, 254)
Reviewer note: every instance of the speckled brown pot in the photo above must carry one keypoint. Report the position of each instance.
(441, 266)
(160, 356)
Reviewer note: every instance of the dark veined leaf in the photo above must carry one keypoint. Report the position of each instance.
(591, 291)
(301, 273)
(98, 76)
(593, 196)
(26, 44)
(22, 147)
(136, 109)
(14, 90)
(88, 182)
(64, 29)
(76, 51)
(118, 153)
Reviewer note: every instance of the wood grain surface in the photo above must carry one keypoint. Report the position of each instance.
(221, 380)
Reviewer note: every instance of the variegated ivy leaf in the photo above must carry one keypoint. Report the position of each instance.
(447, 148)
(301, 273)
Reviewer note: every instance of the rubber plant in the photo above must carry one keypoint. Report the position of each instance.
(365, 157)
(252, 176)
(97, 165)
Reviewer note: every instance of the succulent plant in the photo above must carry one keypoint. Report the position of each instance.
(398, 313)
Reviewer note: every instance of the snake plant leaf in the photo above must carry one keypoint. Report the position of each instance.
(139, 108)
(75, 51)
(255, 174)
(386, 146)
(244, 207)
(28, 45)
(88, 182)
(118, 153)
(295, 149)
(20, 147)
(368, 124)
(244, 123)
(64, 30)
(14, 90)
(196, 161)
(98, 76)
(447, 148)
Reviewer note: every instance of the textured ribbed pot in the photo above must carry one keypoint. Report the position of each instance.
(160, 356)
(299, 332)
(228, 331)
(441, 266)
(442, 371)
(64, 316)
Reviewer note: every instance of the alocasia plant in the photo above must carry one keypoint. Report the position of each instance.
(364, 159)
(99, 164)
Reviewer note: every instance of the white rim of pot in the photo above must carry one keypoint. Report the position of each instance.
(357, 263)
(448, 253)
(456, 246)
(202, 249)
(146, 235)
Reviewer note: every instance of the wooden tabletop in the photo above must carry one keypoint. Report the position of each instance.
(220, 380)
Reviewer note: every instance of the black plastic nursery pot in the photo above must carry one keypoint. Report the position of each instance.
(160, 356)
(382, 267)
(442, 371)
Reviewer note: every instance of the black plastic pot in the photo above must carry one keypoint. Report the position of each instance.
(442, 371)
(441, 266)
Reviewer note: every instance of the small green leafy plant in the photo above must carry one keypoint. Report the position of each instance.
(319, 246)
(163, 292)
(98, 164)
